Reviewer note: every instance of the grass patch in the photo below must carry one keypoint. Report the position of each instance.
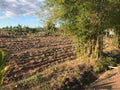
(103, 63)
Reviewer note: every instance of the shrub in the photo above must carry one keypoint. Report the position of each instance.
(103, 63)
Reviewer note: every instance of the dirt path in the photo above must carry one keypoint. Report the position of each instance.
(111, 82)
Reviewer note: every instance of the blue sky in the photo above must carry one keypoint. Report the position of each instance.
(14, 12)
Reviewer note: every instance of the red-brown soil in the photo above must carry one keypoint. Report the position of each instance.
(34, 54)
(31, 55)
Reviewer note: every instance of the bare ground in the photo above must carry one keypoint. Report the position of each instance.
(34, 54)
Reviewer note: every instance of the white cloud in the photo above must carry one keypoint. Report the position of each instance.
(9, 14)
(10, 0)
(20, 7)
(41, 0)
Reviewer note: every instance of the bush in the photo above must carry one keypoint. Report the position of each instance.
(103, 63)
(3, 69)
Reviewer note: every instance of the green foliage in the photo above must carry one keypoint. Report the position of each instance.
(85, 20)
(3, 69)
(77, 17)
(50, 28)
(19, 30)
(103, 63)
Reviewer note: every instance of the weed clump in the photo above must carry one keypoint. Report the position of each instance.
(103, 63)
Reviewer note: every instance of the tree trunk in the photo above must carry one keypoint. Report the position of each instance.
(117, 32)
(100, 46)
(118, 38)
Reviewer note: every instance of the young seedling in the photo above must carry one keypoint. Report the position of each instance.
(3, 69)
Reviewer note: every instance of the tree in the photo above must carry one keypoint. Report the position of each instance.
(50, 28)
(85, 20)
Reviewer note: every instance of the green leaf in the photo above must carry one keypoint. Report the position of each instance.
(1, 57)
(2, 72)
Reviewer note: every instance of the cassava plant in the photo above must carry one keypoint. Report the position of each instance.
(3, 69)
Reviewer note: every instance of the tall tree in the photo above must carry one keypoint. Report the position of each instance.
(86, 20)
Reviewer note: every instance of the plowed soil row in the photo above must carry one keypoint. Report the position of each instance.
(31, 55)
